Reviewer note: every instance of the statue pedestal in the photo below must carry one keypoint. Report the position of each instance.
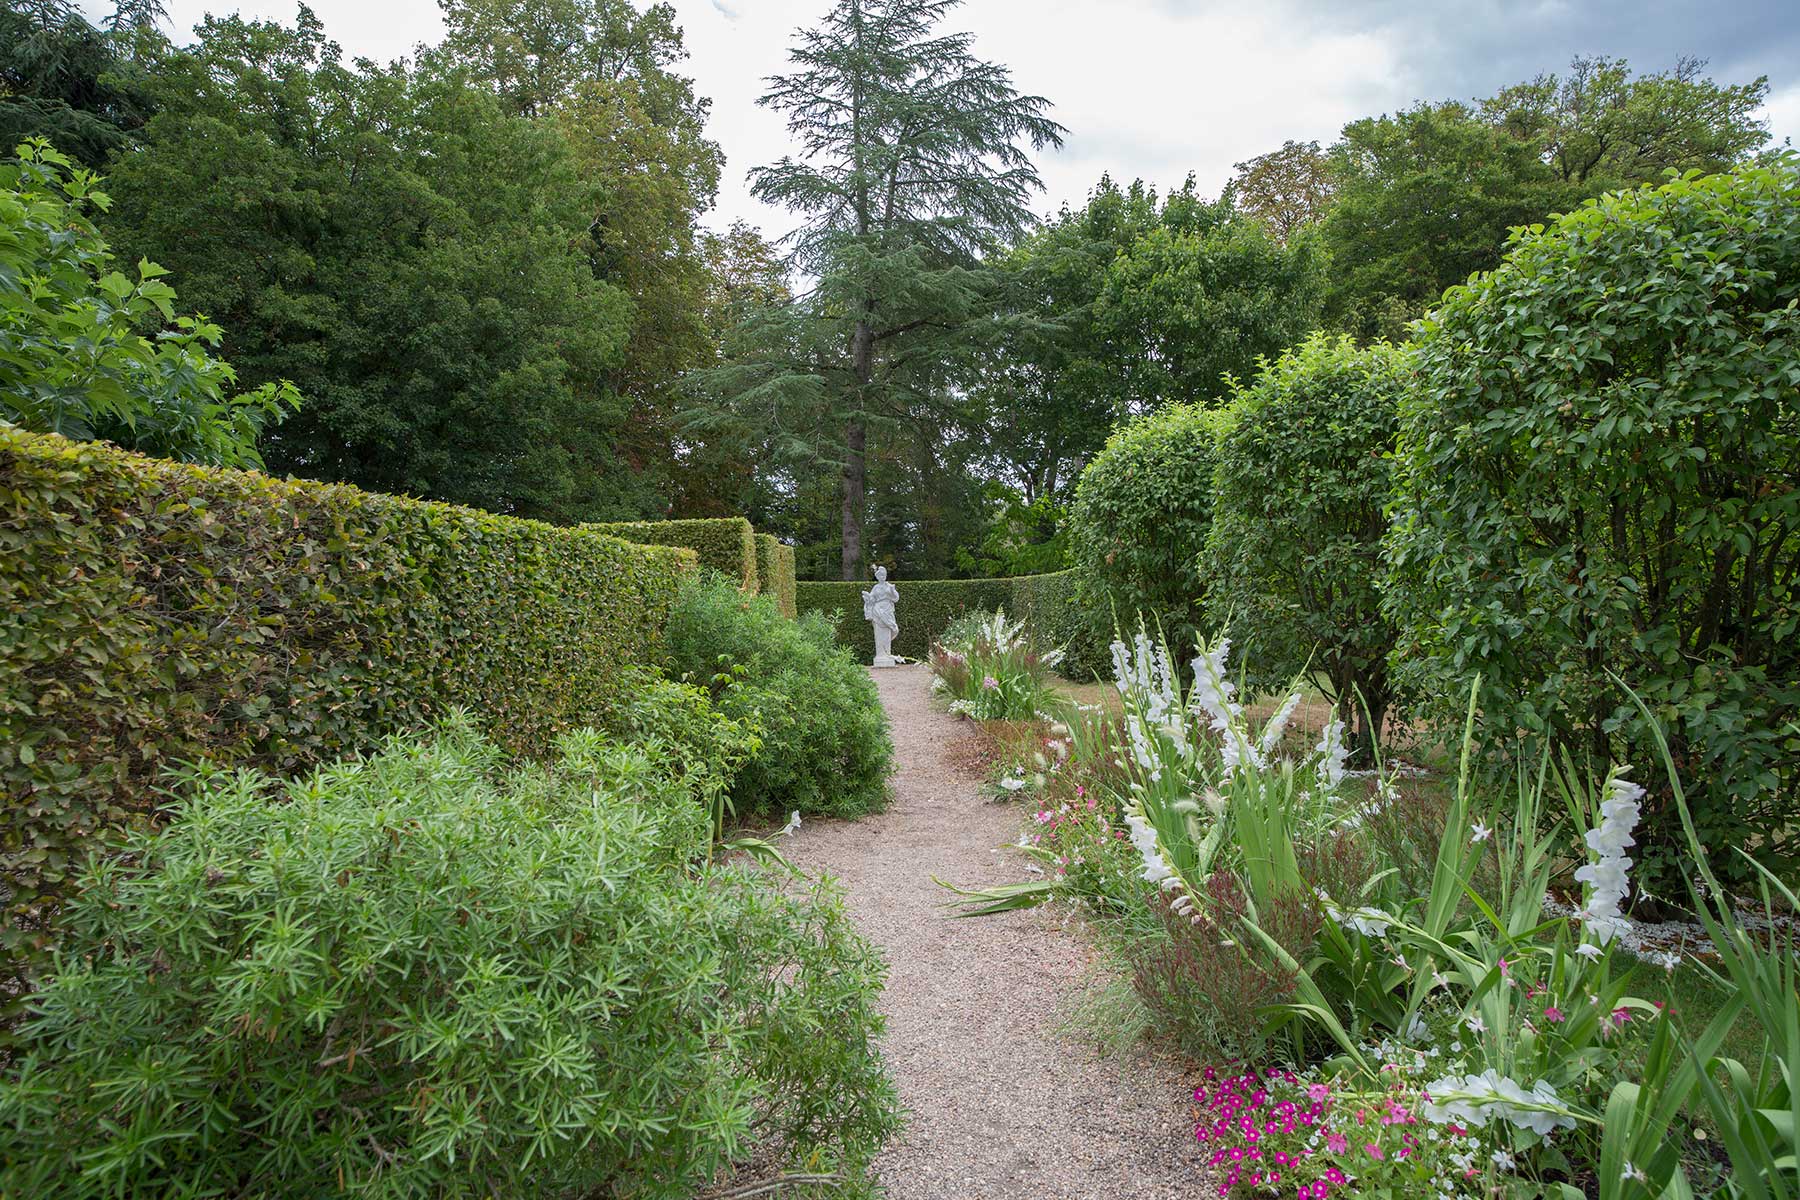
(884, 660)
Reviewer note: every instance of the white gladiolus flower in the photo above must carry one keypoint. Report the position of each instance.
(1479, 832)
(793, 824)
(1143, 838)
(1213, 689)
(1609, 876)
(1332, 753)
(1271, 734)
(1475, 1099)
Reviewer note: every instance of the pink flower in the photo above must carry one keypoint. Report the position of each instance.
(1336, 1143)
(1554, 1015)
(1318, 1091)
(989, 683)
(1374, 1151)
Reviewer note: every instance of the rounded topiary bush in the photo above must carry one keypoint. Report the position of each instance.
(1294, 555)
(434, 973)
(1140, 519)
(1600, 475)
(824, 737)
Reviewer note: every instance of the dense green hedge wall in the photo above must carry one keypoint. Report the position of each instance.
(154, 612)
(775, 572)
(726, 544)
(927, 606)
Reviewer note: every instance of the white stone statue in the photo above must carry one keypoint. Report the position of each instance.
(878, 609)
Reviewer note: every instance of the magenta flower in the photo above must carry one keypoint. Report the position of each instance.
(1336, 1143)
(1554, 1015)
(1374, 1151)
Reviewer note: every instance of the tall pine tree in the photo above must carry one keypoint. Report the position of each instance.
(912, 166)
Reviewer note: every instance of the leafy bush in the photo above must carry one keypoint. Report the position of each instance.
(825, 745)
(1141, 514)
(426, 973)
(991, 670)
(1294, 555)
(725, 544)
(154, 613)
(75, 358)
(705, 748)
(1046, 603)
(1597, 474)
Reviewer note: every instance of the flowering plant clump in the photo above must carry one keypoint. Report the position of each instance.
(1278, 1132)
(991, 670)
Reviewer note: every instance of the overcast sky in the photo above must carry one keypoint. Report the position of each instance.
(1154, 89)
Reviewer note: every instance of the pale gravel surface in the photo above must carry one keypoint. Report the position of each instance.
(999, 1105)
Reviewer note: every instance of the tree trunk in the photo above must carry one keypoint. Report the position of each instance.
(856, 433)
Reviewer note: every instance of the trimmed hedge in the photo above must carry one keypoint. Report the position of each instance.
(775, 572)
(726, 544)
(154, 612)
(1047, 604)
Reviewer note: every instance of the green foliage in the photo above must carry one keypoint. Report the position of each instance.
(677, 721)
(427, 973)
(911, 170)
(74, 355)
(1203, 296)
(155, 613)
(63, 80)
(1293, 560)
(1600, 126)
(775, 572)
(1139, 523)
(1425, 197)
(1052, 610)
(725, 544)
(1596, 478)
(825, 746)
(416, 259)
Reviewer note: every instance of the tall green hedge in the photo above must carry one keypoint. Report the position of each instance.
(775, 572)
(927, 606)
(726, 544)
(154, 612)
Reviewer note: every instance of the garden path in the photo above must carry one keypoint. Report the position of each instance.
(1000, 1104)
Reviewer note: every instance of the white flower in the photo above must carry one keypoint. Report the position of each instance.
(1143, 837)
(1588, 950)
(1013, 783)
(793, 824)
(1370, 922)
(1475, 1023)
(1503, 1160)
(1479, 832)
(1332, 753)
(1271, 734)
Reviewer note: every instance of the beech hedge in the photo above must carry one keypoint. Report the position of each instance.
(1047, 603)
(775, 572)
(726, 544)
(155, 613)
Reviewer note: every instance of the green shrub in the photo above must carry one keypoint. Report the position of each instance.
(1046, 603)
(704, 747)
(775, 572)
(1597, 474)
(725, 544)
(83, 348)
(825, 745)
(154, 613)
(425, 973)
(1294, 557)
(1142, 511)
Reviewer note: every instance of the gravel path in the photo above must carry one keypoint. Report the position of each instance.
(999, 1104)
